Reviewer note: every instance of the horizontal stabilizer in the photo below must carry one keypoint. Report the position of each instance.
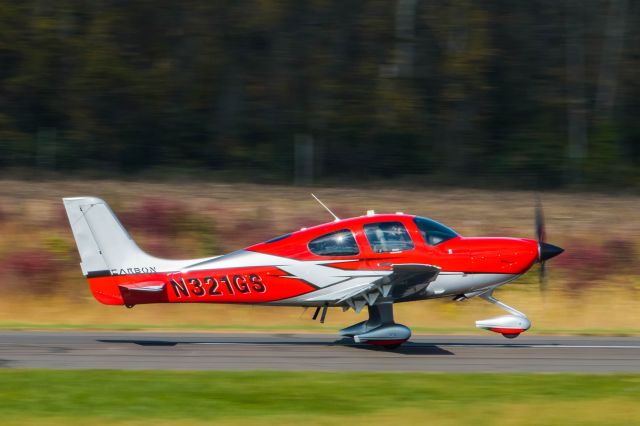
(144, 292)
(147, 287)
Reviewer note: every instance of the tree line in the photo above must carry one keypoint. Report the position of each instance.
(534, 93)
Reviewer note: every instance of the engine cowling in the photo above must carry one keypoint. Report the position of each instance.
(510, 326)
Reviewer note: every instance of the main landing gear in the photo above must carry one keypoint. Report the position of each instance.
(510, 326)
(379, 329)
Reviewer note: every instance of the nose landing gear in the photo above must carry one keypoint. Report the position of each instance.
(510, 326)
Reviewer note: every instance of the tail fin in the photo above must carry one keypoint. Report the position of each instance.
(105, 247)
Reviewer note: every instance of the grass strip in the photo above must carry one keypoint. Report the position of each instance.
(154, 397)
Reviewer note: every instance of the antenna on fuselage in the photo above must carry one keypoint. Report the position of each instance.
(326, 208)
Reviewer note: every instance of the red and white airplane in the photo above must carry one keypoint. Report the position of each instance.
(374, 260)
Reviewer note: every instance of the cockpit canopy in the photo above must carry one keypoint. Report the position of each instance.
(352, 237)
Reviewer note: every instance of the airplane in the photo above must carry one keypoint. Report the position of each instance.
(372, 261)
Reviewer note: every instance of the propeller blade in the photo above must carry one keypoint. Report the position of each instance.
(540, 237)
(543, 277)
(545, 251)
(541, 234)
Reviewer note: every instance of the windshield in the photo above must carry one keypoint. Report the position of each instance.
(433, 232)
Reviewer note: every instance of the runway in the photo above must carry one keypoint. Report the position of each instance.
(298, 352)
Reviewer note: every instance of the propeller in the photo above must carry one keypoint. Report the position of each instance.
(545, 250)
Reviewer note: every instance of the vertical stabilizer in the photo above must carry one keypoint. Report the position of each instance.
(105, 247)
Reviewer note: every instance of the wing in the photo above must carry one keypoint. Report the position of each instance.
(406, 280)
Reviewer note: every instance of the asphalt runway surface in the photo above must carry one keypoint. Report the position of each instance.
(298, 352)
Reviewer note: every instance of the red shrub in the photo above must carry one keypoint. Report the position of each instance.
(155, 216)
(622, 253)
(586, 263)
(37, 270)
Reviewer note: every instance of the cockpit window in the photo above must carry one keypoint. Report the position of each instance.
(433, 232)
(338, 243)
(385, 237)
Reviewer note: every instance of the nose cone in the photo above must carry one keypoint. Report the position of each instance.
(547, 251)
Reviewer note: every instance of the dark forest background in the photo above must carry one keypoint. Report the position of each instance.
(518, 93)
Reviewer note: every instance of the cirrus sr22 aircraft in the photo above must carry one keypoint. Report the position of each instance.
(370, 261)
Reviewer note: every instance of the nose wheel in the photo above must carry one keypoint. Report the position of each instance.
(510, 335)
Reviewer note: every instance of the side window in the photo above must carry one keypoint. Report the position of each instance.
(338, 243)
(385, 237)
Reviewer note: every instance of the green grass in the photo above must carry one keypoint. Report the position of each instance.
(136, 397)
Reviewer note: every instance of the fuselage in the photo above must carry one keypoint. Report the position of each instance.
(314, 266)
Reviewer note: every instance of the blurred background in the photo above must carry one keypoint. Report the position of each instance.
(543, 93)
(204, 123)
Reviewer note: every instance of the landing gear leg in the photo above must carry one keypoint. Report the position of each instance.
(380, 329)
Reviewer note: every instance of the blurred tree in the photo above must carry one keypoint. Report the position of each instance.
(541, 93)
